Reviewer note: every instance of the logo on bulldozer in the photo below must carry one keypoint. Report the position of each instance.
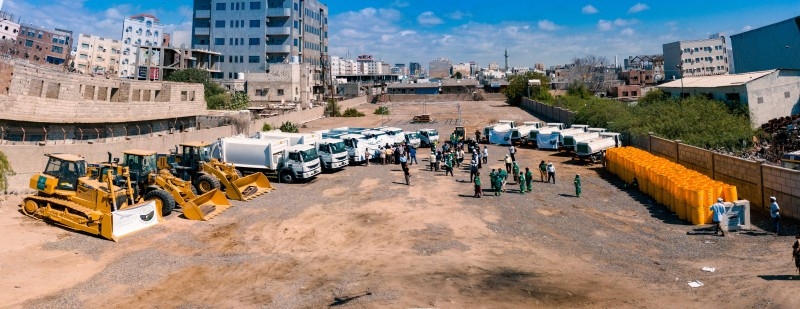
(147, 217)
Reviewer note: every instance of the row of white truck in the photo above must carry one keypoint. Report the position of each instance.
(580, 139)
(302, 156)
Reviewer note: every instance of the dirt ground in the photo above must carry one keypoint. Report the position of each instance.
(360, 238)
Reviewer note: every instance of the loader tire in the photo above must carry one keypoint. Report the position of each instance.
(167, 202)
(207, 183)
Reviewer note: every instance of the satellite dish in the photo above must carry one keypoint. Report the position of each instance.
(658, 77)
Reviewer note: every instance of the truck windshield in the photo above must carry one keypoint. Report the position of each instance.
(412, 135)
(351, 142)
(309, 155)
(337, 147)
(433, 133)
(205, 153)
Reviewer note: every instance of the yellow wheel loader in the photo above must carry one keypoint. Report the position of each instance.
(195, 163)
(148, 181)
(67, 197)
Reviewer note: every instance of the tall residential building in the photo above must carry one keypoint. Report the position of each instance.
(439, 68)
(464, 68)
(253, 34)
(138, 30)
(696, 58)
(775, 46)
(97, 55)
(43, 46)
(414, 68)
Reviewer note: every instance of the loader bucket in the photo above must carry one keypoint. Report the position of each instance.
(248, 187)
(206, 206)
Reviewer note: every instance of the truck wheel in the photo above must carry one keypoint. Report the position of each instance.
(166, 200)
(287, 177)
(206, 182)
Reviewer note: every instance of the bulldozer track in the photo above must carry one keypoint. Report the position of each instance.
(67, 204)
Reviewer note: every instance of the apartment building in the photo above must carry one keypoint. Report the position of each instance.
(138, 30)
(8, 28)
(696, 57)
(42, 46)
(251, 35)
(97, 55)
(439, 68)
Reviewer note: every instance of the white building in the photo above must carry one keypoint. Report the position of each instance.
(8, 28)
(767, 94)
(464, 68)
(697, 57)
(97, 55)
(144, 30)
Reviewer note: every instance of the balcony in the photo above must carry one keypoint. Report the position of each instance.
(279, 12)
(198, 46)
(279, 31)
(201, 31)
(202, 14)
(273, 49)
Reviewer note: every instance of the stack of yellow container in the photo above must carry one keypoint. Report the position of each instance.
(686, 192)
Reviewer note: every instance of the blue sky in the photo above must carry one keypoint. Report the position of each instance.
(402, 31)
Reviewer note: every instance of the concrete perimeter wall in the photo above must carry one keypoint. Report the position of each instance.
(754, 180)
(27, 160)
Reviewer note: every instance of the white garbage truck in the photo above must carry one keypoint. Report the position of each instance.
(332, 152)
(275, 157)
(594, 150)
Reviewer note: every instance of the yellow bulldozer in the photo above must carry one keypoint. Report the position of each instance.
(66, 196)
(146, 180)
(194, 162)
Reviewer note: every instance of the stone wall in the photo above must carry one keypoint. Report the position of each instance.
(546, 112)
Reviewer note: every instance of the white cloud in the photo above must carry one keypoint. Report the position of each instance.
(627, 31)
(589, 9)
(747, 28)
(400, 3)
(547, 25)
(458, 15)
(619, 22)
(429, 19)
(604, 25)
(638, 8)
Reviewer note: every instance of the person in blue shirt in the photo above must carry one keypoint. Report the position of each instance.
(412, 152)
(718, 210)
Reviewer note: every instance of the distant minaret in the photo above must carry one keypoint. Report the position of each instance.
(506, 55)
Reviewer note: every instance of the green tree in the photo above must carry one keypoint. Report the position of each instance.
(382, 110)
(289, 127)
(352, 112)
(5, 170)
(332, 109)
(238, 101)
(266, 127)
(518, 88)
(211, 89)
(579, 89)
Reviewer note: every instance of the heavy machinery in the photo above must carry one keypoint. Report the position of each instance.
(67, 197)
(194, 162)
(146, 179)
(460, 133)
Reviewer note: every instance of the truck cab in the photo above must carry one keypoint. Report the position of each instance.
(395, 133)
(428, 137)
(300, 161)
(412, 138)
(357, 146)
(333, 153)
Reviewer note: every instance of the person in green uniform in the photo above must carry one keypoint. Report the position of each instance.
(542, 169)
(515, 170)
(448, 165)
(498, 184)
(503, 175)
(521, 181)
(528, 179)
(578, 185)
(492, 176)
(478, 191)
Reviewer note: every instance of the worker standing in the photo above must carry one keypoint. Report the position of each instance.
(508, 163)
(478, 136)
(775, 213)
(433, 160)
(485, 155)
(512, 151)
(528, 179)
(473, 170)
(515, 170)
(551, 172)
(492, 176)
(718, 211)
(521, 180)
(498, 183)
(503, 175)
(478, 191)
(543, 170)
(578, 185)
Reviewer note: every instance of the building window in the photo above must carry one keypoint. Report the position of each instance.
(295, 42)
(254, 59)
(786, 94)
(296, 8)
(255, 23)
(255, 5)
(219, 41)
(280, 91)
(57, 49)
(230, 41)
(241, 59)
(255, 41)
(221, 59)
(221, 6)
(29, 43)
(84, 45)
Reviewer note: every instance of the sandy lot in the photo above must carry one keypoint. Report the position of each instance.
(359, 238)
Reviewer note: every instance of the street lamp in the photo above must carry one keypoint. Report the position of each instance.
(680, 69)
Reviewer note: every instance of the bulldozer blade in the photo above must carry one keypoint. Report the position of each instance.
(206, 206)
(248, 187)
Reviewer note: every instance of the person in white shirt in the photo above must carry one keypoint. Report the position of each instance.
(551, 172)
(511, 151)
